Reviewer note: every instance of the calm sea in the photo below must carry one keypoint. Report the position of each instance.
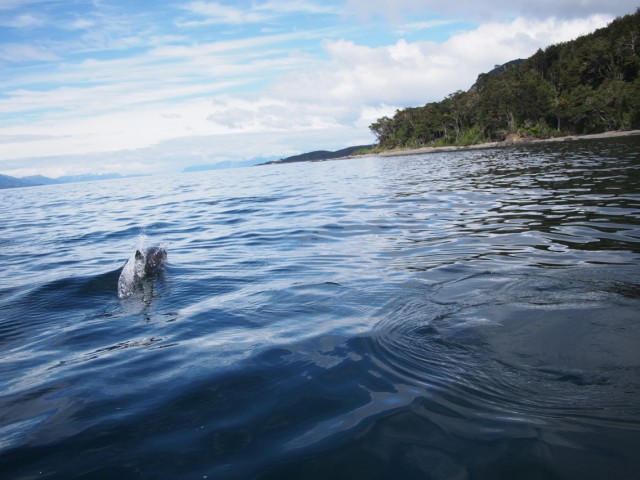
(463, 315)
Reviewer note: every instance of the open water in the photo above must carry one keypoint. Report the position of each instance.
(463, 315)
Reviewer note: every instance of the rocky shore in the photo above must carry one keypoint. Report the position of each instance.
(513, 140)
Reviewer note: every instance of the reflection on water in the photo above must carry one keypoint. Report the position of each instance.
(456, 315)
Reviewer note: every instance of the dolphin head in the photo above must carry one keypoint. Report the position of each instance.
(143, 263)
(155, 257)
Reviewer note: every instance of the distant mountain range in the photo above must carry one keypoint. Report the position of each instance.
(318, 155)
(224, 165)
(7, 181)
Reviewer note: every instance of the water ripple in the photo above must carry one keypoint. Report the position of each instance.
(455, 315)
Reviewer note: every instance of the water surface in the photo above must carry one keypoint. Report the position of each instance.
(467, 315)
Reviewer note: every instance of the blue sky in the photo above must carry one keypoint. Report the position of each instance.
(153, 87)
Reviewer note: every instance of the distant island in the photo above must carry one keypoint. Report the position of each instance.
(320, 155)
(589, 85)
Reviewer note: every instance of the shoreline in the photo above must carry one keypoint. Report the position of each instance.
(505, 143)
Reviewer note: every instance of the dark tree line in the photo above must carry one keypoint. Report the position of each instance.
(587, 85)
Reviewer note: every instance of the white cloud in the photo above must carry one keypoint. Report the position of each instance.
(21, 52)
(219, 14)
(215, 13)
(24, 20)
(405, 74)
(412, 27)
(15, 4)
(297, 6)
(161, 75)
(81, 24)
(497, 9)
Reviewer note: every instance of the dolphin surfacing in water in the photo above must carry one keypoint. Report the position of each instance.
(143, 264)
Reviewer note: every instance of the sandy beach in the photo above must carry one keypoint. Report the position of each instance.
(506, 143)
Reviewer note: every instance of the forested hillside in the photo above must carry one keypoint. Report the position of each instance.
(587, 85)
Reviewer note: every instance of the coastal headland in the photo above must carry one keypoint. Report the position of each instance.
(568, 91)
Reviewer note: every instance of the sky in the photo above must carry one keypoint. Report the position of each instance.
(97, 86)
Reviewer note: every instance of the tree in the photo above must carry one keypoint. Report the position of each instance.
(587, 85)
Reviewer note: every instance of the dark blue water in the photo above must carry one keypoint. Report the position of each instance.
(466, 315)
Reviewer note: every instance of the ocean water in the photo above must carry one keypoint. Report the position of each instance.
(462, 315)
